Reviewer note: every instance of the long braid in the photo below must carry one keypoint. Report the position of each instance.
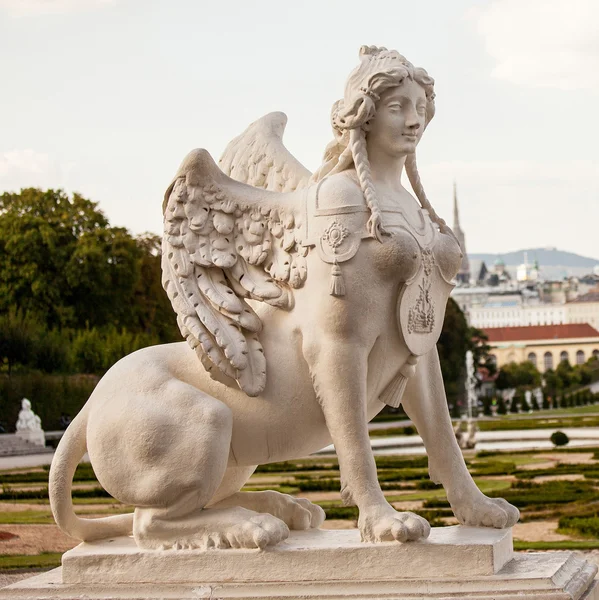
(357, 143)
(414, 177)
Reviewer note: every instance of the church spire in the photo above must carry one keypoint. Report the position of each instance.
(463, 275)
(456, 214)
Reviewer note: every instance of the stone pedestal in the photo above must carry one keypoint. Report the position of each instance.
(454, 563)
(33, 437)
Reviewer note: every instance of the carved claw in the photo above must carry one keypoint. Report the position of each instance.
(389, 525)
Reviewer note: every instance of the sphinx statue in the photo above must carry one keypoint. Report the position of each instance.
(29, 425)
(307, 302)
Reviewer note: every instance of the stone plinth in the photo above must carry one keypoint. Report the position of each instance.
(454, 563)
(312, 555)
(33, 437)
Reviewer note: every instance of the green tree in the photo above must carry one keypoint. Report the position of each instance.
(452, 347)
(18, 337)
(516, 375)
(61, 262)
(38, 233)
(553, 384)
(568, 375)
(152, 310)
(455, 340)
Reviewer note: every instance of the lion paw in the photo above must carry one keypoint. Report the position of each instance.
(392, 525)
(208, 529)
(482, 511)
(296, 513)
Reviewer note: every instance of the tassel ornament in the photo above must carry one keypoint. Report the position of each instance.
(394, 392)
(337, 282)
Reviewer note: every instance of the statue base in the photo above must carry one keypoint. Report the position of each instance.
(455, 562)
(37, 438)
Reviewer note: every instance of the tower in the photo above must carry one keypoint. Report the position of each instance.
(463, 275)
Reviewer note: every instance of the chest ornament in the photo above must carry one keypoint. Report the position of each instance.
(336, 232)
(420, 314)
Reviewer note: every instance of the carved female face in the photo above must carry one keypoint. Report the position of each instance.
(399, 121)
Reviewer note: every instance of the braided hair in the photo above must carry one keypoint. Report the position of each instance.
(379, 70)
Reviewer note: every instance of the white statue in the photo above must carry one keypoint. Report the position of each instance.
(528, 398)
(311, 301)
(29, 425)
(470, 384)
(465, 433)
(538, 394)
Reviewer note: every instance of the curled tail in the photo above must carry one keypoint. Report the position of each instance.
(70, 451)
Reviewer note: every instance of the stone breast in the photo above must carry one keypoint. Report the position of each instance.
(399, 256)
(448, 256)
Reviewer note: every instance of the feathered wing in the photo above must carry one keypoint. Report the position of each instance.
(258, 157)
(225, 242)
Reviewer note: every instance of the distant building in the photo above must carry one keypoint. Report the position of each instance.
(526, 272)
(543, 345)
(491, 298)
(584, 309)
(463, 276)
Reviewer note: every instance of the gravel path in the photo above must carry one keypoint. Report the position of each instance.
(33, 539)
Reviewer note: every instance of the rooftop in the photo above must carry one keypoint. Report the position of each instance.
(541, 332)
(592, 296)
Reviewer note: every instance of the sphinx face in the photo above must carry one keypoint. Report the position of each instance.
(399, 121)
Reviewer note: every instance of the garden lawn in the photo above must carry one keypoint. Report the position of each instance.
(568, 510)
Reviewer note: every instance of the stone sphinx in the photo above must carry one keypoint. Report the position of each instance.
(29, 425)
(307, 301)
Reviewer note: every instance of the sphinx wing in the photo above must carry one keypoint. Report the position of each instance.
(258, 157)
(225, 242)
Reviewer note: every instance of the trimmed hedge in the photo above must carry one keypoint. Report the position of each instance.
(587, 526)
(51, 396)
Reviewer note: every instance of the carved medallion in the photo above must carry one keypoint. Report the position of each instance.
(334, 234)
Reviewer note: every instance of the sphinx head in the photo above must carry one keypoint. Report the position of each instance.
(386, 107)
(383, 82)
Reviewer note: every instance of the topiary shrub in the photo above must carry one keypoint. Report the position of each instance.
(546, 404)
(487, 403)
(515, 404)
(559, 438)
(501, 407)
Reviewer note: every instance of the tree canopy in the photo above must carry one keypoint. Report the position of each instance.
(516, 375)
(66, 269)
(455, 340)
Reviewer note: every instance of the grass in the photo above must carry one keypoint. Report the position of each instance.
(45, 560)
(42, 494)
(530, 495)
(404, 479)
(556, 419)
(559, 412)
(561, 545)
(44, 517)
(509, 424)
(584, 525)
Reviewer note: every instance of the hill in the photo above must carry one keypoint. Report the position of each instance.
(547, 257)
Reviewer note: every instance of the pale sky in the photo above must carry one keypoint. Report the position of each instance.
(105, 97)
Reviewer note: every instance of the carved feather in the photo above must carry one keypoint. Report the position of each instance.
(258, 157)
(253, 378)
(255, 280)
(219, 239)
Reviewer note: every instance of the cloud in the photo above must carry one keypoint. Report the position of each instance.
(542, 43)
(26, 168)
(28, 8)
